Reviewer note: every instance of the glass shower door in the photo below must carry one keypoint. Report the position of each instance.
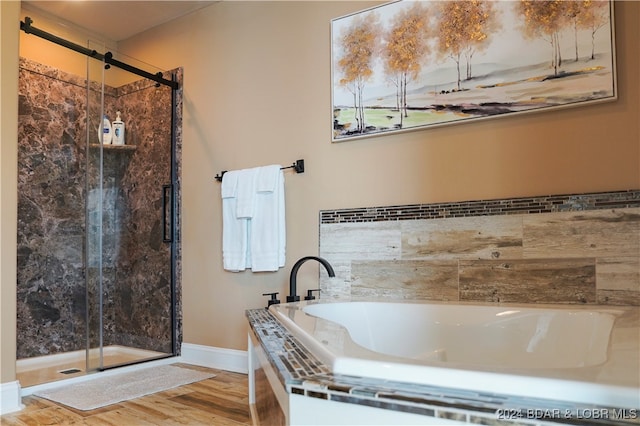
(94, 211)
(129, 252)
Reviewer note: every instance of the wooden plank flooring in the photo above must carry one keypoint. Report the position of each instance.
(222, 400)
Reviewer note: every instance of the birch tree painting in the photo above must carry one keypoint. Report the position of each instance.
(409, 65)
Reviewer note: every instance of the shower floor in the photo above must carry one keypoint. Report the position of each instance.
(45, 369)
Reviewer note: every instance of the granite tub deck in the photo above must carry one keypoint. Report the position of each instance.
(303, 373)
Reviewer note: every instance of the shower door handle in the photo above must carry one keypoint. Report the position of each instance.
(167, 213)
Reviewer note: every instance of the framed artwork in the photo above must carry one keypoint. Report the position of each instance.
(410, 65)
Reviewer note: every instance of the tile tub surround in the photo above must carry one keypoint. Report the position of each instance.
(577, 249)
(53, 159)
(302, 373)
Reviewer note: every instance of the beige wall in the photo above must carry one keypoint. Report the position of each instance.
(257, 91)
(9, 12)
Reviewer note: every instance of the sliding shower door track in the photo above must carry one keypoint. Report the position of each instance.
(141, 361)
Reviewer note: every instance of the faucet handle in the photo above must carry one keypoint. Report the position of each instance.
(273, 300)
(310, 295)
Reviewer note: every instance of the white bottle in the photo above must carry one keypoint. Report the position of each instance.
(105, 136)
(118, 130)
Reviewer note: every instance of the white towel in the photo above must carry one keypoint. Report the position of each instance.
(229, 185)
(268, 229)
(246, 193)
(268, 178)
(253, 219)
(235, 231)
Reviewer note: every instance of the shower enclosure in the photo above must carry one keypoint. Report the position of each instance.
(98, 241)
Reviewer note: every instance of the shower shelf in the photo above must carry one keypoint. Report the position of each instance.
(115, 148)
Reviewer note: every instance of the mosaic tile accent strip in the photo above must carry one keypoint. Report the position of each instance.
(527, 205)
(293, 362)
(302, 373)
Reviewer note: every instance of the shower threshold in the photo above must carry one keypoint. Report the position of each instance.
(49, 368)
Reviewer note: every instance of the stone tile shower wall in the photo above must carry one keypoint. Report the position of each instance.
(558, 249)
(52, 192)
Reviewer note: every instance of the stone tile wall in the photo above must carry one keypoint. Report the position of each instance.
(51, 192)
(581, 248)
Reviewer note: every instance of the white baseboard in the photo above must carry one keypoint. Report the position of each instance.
(10, 399)
(212, 357)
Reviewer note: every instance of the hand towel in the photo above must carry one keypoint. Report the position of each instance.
(229, 185)
(246, 192)
(235, 231)
(268, 228)
(268, 178)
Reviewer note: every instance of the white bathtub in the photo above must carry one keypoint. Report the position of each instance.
(570, 353)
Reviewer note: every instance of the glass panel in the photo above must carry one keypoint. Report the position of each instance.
(94, 210)
(129, 252)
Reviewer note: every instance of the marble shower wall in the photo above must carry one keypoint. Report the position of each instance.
(559, 249)
(52, 192)
(139, 310)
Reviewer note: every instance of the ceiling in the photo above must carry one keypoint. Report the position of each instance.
(117, 20)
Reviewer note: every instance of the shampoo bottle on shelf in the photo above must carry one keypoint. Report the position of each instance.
(118, 130)
(106, 135)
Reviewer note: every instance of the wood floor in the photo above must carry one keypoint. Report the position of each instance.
(222, 400)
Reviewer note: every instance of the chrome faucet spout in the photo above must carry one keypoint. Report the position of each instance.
(293, 297)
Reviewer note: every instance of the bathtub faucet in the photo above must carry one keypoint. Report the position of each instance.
(293, 297)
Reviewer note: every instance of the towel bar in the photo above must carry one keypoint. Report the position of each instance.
(298, 166)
